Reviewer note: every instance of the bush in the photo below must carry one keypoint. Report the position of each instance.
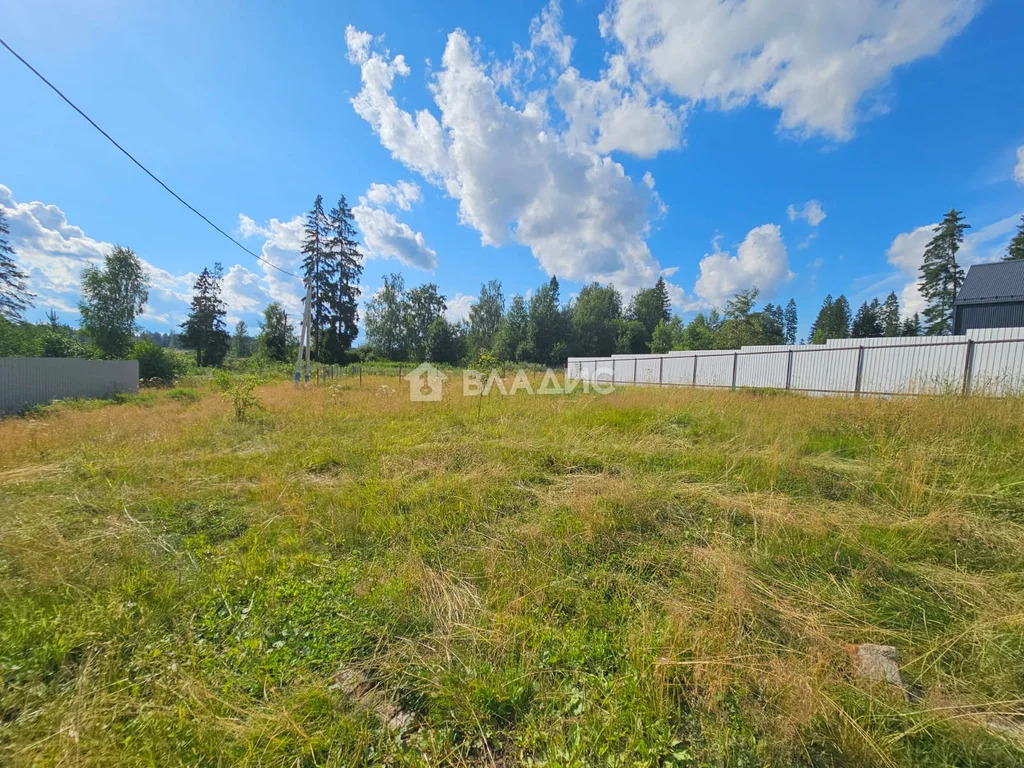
(154, 362)
(242, 398)
(61, 344)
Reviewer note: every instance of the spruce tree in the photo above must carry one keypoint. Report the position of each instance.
(1015, 251)
(911, 326)
(833, 321)
(547, 324)
(344, 249)
(204, 330)
(941, 276)
(320, 272)
(821, 321)
(651, 306)
(14, 295)
(889, 315)
(790, 322)
(867, 324)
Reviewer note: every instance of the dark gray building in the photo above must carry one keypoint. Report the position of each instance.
(992, 296)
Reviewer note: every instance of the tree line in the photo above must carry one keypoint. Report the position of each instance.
(410, 323)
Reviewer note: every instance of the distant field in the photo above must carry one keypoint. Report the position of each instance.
(657, 577)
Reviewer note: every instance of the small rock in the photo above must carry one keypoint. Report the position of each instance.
(365, 696)
(876, 662)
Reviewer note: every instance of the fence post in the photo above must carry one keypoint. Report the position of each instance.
(694, 382)
(789, 367)
(634, 371)
(399, 371)
(360, 374)
(860, 370)
(735, 359)
(661, 366)
(968, 364)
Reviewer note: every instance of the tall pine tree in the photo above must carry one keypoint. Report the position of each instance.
(204, 330)
(911, 326)
(833, 321)
(789, 321)
(547, 324)
(889, 315)
(867, 324)
(14, 295)
(941, 276)
(321, 274)
(344, 250)
(651, 306)
(1015, 251)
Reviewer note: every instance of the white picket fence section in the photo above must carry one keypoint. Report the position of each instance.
(986, 361)
(26, 381)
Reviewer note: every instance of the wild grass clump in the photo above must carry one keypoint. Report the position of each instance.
(658, 577)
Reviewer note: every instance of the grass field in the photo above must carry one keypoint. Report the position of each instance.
(648, 578)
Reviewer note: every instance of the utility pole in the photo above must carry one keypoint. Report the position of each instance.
(304, 337)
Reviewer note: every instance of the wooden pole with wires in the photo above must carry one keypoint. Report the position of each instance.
(304, 338)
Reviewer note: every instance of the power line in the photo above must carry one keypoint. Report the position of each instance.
(146, 170)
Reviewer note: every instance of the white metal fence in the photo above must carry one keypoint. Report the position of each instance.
(26, 381)
(985, 361)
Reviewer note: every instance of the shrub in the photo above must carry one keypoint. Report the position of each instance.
(60, 344)
(154, 361)
(242, 398)
(221, 379)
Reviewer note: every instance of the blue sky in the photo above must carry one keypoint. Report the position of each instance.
(719, 144)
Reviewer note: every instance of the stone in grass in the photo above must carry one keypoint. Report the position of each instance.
(364, 695)
(878, 662)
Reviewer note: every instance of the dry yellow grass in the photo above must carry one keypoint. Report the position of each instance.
(653, 577)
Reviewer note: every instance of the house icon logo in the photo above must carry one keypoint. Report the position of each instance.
(426, 383)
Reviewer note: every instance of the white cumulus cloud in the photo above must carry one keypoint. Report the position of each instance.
(516, 175)
(1018, 171)
(384, 236)
(817, 63)
(54, 252)
(811, 212)
(761, 260)
(403, 194)
(459, 306)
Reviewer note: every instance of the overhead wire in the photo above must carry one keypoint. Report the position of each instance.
(146, 170)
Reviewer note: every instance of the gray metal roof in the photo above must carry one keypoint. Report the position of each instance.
(985, 283)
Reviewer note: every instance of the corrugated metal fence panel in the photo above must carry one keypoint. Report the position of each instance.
(998, 369)
(932, 368)
(678, 369)
(887, 366)
(623, 367)
(831, 370)
(995, 334)
(26, 381)
(714, 370)
(765, 369)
